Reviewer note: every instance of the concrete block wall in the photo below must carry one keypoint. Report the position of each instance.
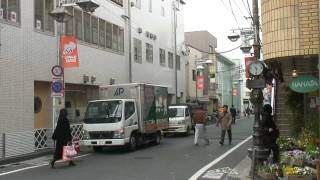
(290, 28)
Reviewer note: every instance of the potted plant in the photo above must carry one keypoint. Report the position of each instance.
(268, 171)
(297, 173)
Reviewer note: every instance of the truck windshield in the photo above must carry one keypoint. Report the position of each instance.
(176, 112)
(103, 112)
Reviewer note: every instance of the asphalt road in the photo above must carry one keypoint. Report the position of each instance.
(176, 158)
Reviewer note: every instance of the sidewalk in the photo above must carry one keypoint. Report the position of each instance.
(45, 152)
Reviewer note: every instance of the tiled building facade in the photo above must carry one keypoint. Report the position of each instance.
(291, 41)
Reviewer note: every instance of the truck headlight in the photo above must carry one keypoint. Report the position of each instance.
(118, 134)
(85, 134)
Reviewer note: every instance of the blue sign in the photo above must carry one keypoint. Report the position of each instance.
(119, 92)
(57, 87)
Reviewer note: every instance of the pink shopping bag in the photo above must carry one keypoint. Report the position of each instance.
(68, 153)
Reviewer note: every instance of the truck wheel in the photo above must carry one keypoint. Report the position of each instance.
(158, 138)
(133, 143)
(97, 149)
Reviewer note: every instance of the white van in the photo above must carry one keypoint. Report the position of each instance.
(179, 120)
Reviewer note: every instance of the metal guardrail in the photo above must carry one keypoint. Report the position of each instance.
(42, 140)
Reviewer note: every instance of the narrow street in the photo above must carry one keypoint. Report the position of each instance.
(176, 158)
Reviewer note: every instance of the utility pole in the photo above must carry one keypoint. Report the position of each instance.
(175, 48)
(257, 153)
(129, 41)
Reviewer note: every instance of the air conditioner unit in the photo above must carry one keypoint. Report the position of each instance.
(147, 34)
(139, 30)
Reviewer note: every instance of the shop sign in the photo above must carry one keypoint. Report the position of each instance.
(304, 84)
(200, 82)
(69, 52)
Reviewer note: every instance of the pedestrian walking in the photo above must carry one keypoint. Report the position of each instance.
(248, 112)
(62, 136)
(225, 123)
(233, 112)
(271, 132)
(200, 120)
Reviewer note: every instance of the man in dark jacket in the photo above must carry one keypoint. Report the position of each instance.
(62, 135)
(233, 112)
(200, 120)
(271, 132)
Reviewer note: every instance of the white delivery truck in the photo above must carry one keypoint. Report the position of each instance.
(126, 115)
(179, 120)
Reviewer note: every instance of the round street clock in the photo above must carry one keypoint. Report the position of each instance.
(57, 70)
(256, 68)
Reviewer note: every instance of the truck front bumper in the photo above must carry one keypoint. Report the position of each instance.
(104, 142)
(176, 129)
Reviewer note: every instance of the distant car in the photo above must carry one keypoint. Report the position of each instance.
(179, 120)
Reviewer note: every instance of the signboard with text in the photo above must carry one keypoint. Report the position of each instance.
(69, 52)
(200, 82)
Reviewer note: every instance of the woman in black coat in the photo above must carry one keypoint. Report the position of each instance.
(62, 135)
(271, 132)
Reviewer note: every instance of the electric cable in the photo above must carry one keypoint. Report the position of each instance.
(233, 14)
(249, 9)
(228, 50)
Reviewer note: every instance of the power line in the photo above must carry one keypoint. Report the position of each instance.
(228, 50)
(234, 14)
(249, 9)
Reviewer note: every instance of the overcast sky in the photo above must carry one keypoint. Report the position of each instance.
(216, 17)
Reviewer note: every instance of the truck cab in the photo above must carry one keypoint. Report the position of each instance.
(110, 123)
(179, 120)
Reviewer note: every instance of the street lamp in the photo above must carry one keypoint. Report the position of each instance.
(199, 67)
(233, 37)
(62, 15)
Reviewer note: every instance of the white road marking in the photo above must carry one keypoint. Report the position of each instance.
(36, 166)
(205, 168)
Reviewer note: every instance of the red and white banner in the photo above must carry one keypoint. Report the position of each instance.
(69, 52)
(200, 82)
(234, 92)
(247, 61)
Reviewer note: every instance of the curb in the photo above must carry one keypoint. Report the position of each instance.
(25, 157)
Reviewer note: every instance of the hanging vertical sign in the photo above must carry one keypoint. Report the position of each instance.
(247, 61)
(200, 82)
(234, 92)
(69, 52)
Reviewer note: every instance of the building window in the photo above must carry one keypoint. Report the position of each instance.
(138, 4)
(115, 37)
(194, 75)
(170, 60)
(137, 45)
(162, 53)
(149, 53)
(162, 11)
(119, 2)
(69, 24)
(210, 49)
(178, 62)
(121, 39)
(102, 33)
(87, 27)
(150, 5)
(42, 20)
(108, 35)
(78, 24)
(11, 10)
(94, 30)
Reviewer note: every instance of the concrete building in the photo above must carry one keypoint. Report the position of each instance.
(29, 50)
(201, 47)
(291, 45)
(224, 79)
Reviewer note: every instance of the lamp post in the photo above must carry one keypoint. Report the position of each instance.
(199, 68)
(62, 15)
